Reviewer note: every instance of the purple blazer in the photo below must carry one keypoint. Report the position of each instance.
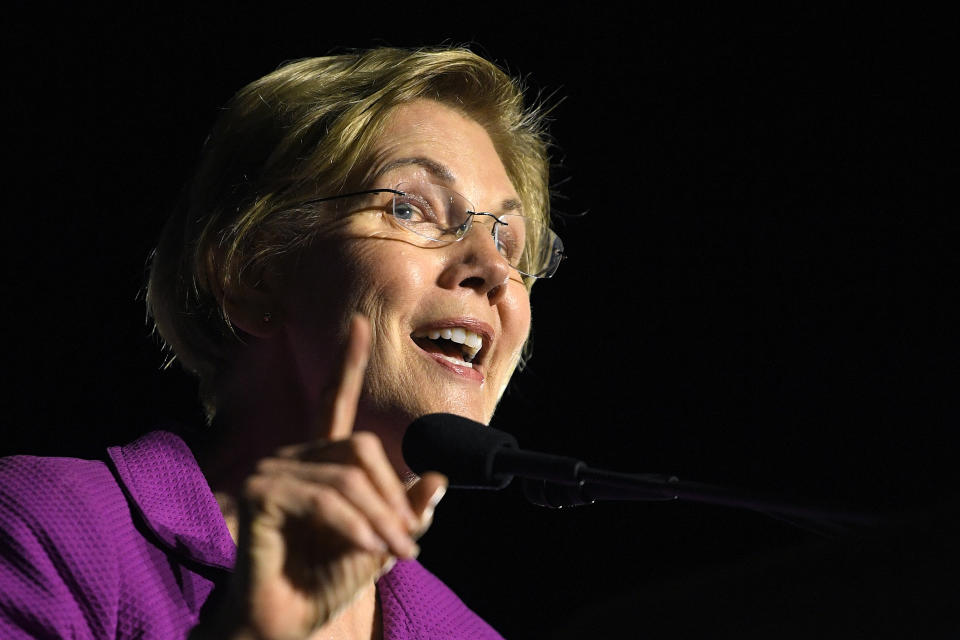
(132, 548)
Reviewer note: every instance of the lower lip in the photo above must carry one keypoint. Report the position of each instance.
(466, 372)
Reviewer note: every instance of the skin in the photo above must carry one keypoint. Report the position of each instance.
(318, 522)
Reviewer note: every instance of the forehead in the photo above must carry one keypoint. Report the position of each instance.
(429, 140)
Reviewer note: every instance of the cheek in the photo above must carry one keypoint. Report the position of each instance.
(518, 318)
(389, 279)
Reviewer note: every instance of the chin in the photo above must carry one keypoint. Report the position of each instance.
(461, 409)
(396, 405)
(385, 415)
(468, 408)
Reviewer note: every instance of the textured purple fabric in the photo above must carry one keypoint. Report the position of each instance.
(416, 605)
(133, 548)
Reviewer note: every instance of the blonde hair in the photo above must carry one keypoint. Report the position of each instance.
(301, 132)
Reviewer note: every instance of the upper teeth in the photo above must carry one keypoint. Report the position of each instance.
(472, 342)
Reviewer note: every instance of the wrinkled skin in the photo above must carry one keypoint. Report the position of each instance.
(317, 522)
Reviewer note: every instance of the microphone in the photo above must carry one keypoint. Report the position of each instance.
(475, 456)
(459, 448)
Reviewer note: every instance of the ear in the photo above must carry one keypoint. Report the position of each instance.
(254, 311)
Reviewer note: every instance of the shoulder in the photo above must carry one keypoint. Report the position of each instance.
(417, 604)
(58, 559)
(63, 496)
(33, 482)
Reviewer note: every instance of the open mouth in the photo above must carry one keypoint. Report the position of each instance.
(458, 345)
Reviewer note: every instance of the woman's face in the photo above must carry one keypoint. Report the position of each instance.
(369, 264)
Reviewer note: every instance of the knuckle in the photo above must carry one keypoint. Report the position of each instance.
(322, 498)
(356, 528)
(257, 486)
(287, 451)
(365, 443)
(386, 519)
(267, 466)
(350, 478)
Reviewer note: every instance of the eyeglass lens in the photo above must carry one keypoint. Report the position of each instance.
(442, 215)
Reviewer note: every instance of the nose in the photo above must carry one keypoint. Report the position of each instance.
(475, 262)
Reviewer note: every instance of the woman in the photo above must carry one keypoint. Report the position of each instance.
(355, 250)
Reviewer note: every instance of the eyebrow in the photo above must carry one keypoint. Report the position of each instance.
(511, 204)
(438, 170)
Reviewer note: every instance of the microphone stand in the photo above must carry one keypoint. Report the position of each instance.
(558, 482)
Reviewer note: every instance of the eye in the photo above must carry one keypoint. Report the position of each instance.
(508, 249)
(412, 208)
(510, 239)
(407, 212)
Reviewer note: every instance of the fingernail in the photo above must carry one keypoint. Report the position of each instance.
(432, 503)
(437, 497)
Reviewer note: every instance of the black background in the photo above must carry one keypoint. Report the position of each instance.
(760, 294)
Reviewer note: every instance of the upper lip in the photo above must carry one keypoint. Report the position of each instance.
(482, 329)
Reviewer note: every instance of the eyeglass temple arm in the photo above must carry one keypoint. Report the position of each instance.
(351, 194)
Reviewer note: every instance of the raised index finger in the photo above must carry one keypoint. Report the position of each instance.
(341, 410)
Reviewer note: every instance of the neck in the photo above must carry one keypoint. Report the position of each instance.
(262, 405)
(260, 408)
(361, 619)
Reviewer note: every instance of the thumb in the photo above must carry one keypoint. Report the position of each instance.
(424, 496)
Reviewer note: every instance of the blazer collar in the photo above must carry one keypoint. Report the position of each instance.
(164, 483)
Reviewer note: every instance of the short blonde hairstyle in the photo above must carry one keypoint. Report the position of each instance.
(301, 132)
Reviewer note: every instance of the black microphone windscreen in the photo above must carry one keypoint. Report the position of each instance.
(460, 448)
